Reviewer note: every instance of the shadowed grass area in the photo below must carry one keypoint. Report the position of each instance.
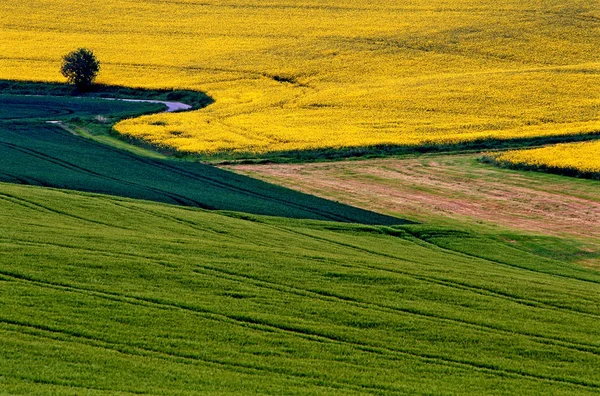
(33, 151)
(195, 99)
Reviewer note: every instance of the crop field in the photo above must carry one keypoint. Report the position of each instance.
(302, 74)
(128, 266)
(106, 295)
(580, 159)
(35, 152)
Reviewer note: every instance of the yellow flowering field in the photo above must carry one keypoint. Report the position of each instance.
(305, 74)
(576, 157)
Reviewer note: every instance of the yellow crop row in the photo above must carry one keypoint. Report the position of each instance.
(581, 157)
(301, 74)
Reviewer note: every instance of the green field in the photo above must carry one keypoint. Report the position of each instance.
(328, 216)
(106, 295)
(117, 294)
(196, 99)
(35, 152)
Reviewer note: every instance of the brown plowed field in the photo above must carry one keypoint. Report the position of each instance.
(449, 189)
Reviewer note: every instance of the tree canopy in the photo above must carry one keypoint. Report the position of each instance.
(80, 67)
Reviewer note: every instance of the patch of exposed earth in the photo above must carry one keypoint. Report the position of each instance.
(449, 187)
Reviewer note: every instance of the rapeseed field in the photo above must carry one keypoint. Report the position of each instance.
(569, 157)
(289, 75)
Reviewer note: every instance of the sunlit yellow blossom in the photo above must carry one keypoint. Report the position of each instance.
(581, 157)
(301, 74)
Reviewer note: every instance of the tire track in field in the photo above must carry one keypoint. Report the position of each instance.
(491, 260)
(18, 202)
(357, 389)
(182, 200)
(20, 180)
(179, 199)
(228, 186)
(45, 209)
(310, 334)
(328, 296)
(187, 223)
(106, 253)
(64, 335)
(182, 221)
(70, 385)
(447, 282)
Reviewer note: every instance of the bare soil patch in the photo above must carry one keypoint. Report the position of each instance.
(449, 187)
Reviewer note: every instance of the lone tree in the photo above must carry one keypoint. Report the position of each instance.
(80, 67)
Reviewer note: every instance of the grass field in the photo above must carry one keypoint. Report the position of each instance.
(126, 271)
(290, 75)
(195, 99)
(35, 152)
(38, 109)
(105, 295)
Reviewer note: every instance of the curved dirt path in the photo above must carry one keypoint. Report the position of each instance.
(172, 107)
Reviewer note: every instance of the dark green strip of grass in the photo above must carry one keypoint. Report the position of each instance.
(35, 152)
(195, 99)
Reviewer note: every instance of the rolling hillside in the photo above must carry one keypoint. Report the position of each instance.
(132, 269)
(106, 295)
